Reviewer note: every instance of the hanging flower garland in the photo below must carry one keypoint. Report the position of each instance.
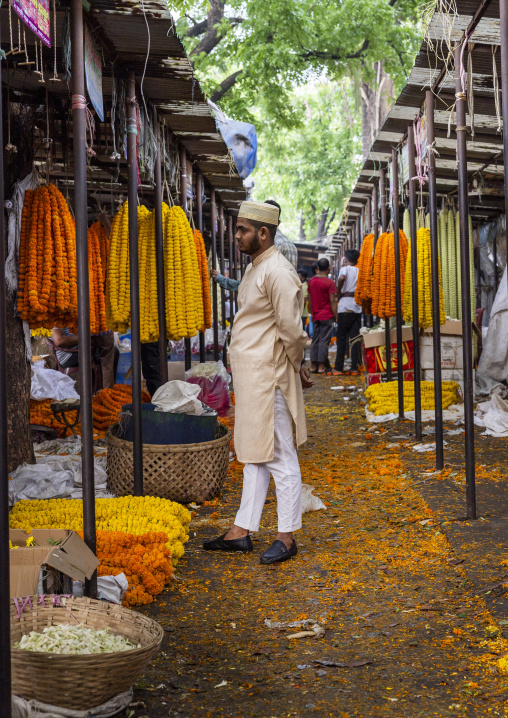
(363, 293)
(383, 287)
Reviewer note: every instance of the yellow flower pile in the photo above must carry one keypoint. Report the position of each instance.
(384, 398)
(136, 515)
(424, 284)
(41, 332)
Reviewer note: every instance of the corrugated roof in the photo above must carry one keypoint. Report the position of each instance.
(485, 150)
(126, 34)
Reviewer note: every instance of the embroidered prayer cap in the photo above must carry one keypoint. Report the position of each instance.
(260, 212)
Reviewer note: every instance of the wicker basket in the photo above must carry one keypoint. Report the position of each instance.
(80, 682)
(179, 472)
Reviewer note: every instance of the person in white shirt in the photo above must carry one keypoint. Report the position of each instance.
(349, 314)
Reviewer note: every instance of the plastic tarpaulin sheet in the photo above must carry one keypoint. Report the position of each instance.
(494, 359)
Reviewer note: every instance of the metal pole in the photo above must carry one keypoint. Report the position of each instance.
(5, 619)
(132, 180)
(231, 268)
(414, 284)
(374, 229)
(214, 286)
(398, 293)
(467, 338)
(222, 232)
(503, 17)
(384, 223)
(81, 218)
(183, 204)
(434, 260)
(199, 211)
(359, 233)
(159, 248)
(235, 254)
(368, 216)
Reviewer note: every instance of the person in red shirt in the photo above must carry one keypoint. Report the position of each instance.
(323, 310)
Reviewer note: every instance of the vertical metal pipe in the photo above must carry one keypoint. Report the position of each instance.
(222, 232)
(414, 283)
(398, 293)
(132, 180)
(199, 212)
(503, 17)
(232, 295)
(359, 233)
(159, 248)
(235, 252)
(81, 217)
(384, 223)
(5, 619)
(467, 338)
(374, 229)
(184, 206)
(214, 286)
(434, 260)
(496, 272)
(368, 216)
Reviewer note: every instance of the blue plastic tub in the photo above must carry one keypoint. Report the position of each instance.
(160, 427)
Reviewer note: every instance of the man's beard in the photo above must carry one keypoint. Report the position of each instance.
(254, 246)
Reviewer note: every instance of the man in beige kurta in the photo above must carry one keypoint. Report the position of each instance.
(266, 353)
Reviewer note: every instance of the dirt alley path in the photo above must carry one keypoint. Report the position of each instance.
(407, 630)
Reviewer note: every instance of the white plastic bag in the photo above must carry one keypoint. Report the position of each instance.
(493, 415)
(309, 501)
(178, 397)
(22, 708)
(109, 588)
(51, 384)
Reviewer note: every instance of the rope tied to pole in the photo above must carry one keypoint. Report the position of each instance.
(131, 125)
(470, 92)
(78, 102)
(495, 79)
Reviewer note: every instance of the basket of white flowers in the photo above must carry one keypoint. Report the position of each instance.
(78, 652)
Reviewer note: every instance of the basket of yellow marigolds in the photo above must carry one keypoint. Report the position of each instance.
(78, 653)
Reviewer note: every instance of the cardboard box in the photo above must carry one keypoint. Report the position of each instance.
(379, 378)
(451, 352)
(450, 327)
(448, 375)
(72, 557)
(377, 339)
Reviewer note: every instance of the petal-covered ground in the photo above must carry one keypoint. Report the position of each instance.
(390, 582)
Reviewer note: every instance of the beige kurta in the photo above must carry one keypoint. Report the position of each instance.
(266, 351)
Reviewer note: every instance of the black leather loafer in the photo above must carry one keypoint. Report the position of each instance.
(222, 544)
(278, 552)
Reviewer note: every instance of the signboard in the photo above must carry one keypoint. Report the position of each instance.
(404, 164)
(35, 14)
(93, 71)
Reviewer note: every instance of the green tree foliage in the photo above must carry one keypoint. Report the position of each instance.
(253, 53)
(309, 169)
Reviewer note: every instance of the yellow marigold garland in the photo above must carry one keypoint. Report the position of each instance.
(135, 515)
(424, 283)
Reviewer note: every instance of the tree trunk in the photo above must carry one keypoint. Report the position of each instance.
(302, 237)
(322, 224)
(377, 100)
(18, 392)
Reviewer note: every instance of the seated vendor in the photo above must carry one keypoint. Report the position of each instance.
(63, 339)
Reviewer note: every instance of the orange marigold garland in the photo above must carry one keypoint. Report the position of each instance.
(144, 560)
(383, 274)
(363, 295)
(97, 281)
(47, 285)
(106, 405)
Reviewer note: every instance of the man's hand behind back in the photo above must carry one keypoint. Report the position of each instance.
(307, 380)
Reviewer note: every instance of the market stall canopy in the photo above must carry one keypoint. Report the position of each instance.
(434, 69)
(141, 37)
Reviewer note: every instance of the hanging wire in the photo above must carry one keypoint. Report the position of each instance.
(55, 77)
(66, 45)
(495, 78)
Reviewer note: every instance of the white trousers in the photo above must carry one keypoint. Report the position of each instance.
(285, 470)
